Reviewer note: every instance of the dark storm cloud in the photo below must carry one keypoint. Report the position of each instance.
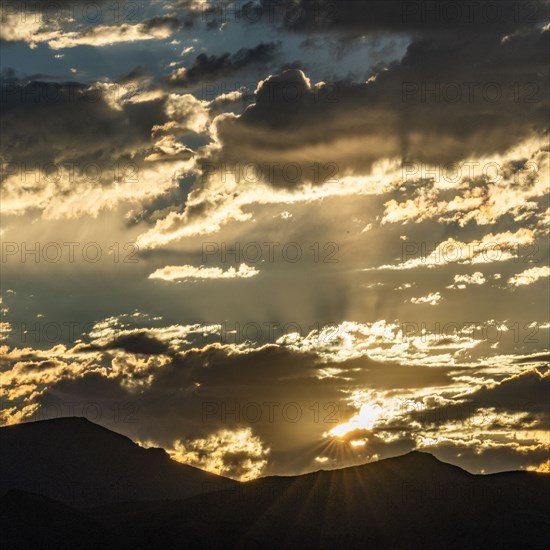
(383, 376)
(41, 120)
(211, 68)
(528, 391)
(452, 96)
(138, 343)
(524, 396)
(186, 397)
(356, 17)
(167, 22)
(443, 102)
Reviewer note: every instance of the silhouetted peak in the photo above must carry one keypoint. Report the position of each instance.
(417, 458)
(66, 430)
(77, 461)
(421, 456)
(421, 463)
(80, 422)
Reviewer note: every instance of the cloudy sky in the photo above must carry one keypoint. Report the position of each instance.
(280, 235)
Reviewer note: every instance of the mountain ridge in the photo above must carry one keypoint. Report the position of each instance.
(410, 500)
(81, 463)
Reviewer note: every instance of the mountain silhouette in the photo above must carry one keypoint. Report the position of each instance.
(81, 463)
(410, 501)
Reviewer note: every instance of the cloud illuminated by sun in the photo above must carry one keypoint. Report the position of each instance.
(363, 420)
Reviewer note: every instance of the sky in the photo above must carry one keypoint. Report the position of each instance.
(280, 235)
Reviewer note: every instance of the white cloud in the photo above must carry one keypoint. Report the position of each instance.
(190, 273)
(105, 35)
(504, 190)
(461, 281)
(490, 248)
(433, 299)
(529, 276)
(15, 27)
(216, 453)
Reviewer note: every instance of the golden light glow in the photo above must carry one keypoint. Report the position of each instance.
(364, 420)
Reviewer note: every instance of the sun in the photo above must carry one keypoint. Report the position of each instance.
(363, 420)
